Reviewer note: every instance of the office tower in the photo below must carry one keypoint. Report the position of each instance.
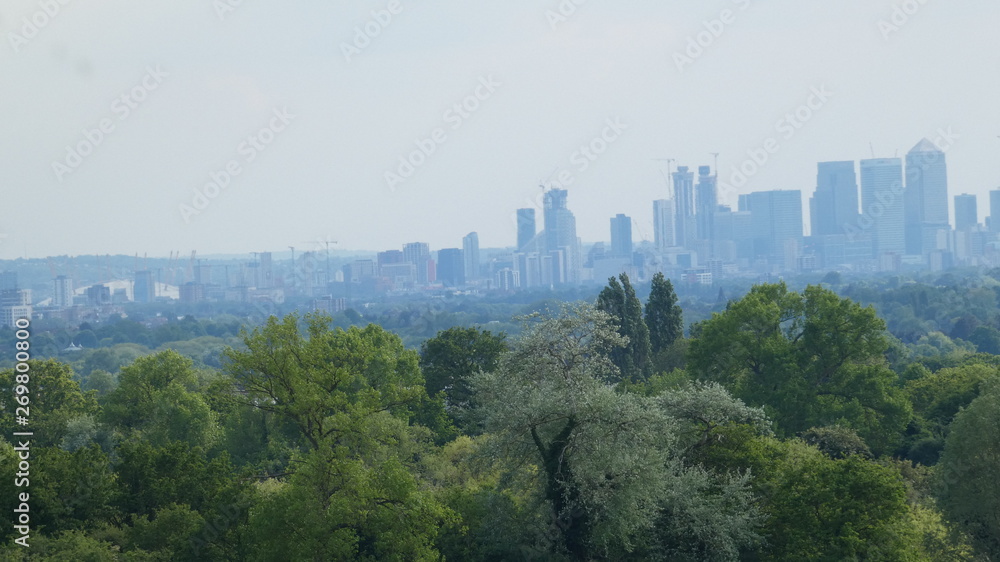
(418, 253)
(621, 236)
(470, 248)
(144, 287)
(98, 295)
(525, 229)
(507, 279)
(707, 200)
(451, 267)
(776, 224)
(62, 296)
(925, 198)
(560, 235)
(966, 214)
(663, 223)
(882, 205)
(835, 202)
(995, 210)
(684, 199)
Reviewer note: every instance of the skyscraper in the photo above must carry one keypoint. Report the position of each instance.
(776, 221)
(451, 267)
(684, 199)
(995, 210)
(663, 223)
(621, 236)
(419, 254)
(835, 202)
(966, 214)
(525, 229)
(470, 248)
(707, 201)
(926, 197)
(882, 203)
(560, 236)
(62, 296)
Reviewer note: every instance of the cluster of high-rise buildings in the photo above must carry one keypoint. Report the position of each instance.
(879, 214)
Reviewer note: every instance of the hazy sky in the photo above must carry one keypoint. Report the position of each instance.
(339, 110)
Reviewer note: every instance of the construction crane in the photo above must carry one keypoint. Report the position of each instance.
(670, 169)
(327, 244)
(716, 155)
(543, 184)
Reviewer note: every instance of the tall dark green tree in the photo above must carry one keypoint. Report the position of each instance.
(664, 318)
(619, 300)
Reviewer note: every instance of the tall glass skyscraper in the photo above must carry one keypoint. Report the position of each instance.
(684, 200)
(560, 237)
(707, 203)
(776, 220)
(966, 213)
(926, 199)
(882, 204)
(526, 229)
(835, 202)
(663, 223)
(621, 236)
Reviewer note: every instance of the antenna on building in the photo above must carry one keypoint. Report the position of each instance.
(872, 147)
(716, 155)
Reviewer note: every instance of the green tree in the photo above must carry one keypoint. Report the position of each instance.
(968, 471)
(812, 359)
(663, 315)
(619, 300)
(607, 462)
(451, 357)
(54, 399)
(353, 492)
(158, 399)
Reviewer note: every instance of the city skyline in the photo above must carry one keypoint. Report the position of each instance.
(273, 125)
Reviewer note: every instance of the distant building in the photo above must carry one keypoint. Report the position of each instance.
(98, 295)
(144, 287)
(926, 197)
(560, 238)
(621, 236)
(707, 203)
(451, 267)
(62, 295)
(192, 292)
(685, 227)
(663, 224)
(835, 202)
(470, 252)
(882, 205)
(966, 214)
(995, 210)
(526, 230)
(776, 219)
(418, 253)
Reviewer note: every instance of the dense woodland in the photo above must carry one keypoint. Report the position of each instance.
(841, 421)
